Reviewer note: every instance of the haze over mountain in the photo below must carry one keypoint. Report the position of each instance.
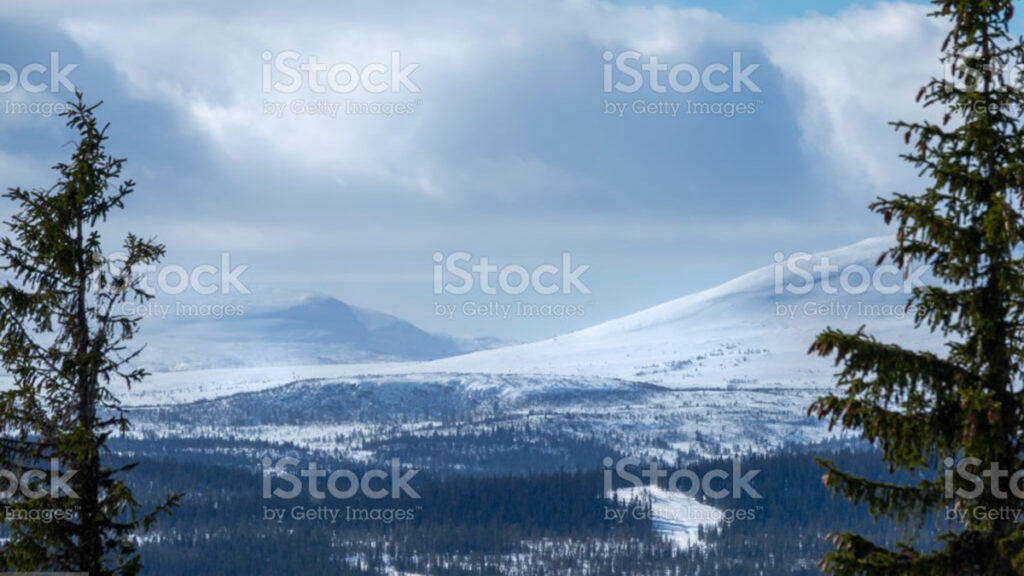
(751, 332)
(318, 330)
(726, 366)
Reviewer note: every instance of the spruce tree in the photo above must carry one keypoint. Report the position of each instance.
(921, 409)
(64, 340)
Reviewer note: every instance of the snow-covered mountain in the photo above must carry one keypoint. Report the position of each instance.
(751, 332)
(318, 330)
(325, 320)
(723, 369)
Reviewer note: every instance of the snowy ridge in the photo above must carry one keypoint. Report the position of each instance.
(743, 334)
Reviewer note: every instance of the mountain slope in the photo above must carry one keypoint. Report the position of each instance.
(316, 331)
(721, 371)
(326, 320)
(752, 331)
(740, 335)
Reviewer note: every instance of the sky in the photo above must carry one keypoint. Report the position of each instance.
(505, 131)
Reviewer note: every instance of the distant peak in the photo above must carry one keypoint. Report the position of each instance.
(316, 297)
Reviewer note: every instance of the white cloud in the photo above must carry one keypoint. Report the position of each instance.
(508, 153)
(207, 67)
(859, 71)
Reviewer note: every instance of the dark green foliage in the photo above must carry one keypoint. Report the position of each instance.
(482, 524)
(922, 408)
(64, 340)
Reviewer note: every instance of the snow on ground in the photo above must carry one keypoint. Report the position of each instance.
(751, 332)
(675, 515)
(754, 329)
(195, 385)
(746, 334)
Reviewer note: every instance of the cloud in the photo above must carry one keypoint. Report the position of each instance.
(858, 71)
(489, 76)
(509, 150)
